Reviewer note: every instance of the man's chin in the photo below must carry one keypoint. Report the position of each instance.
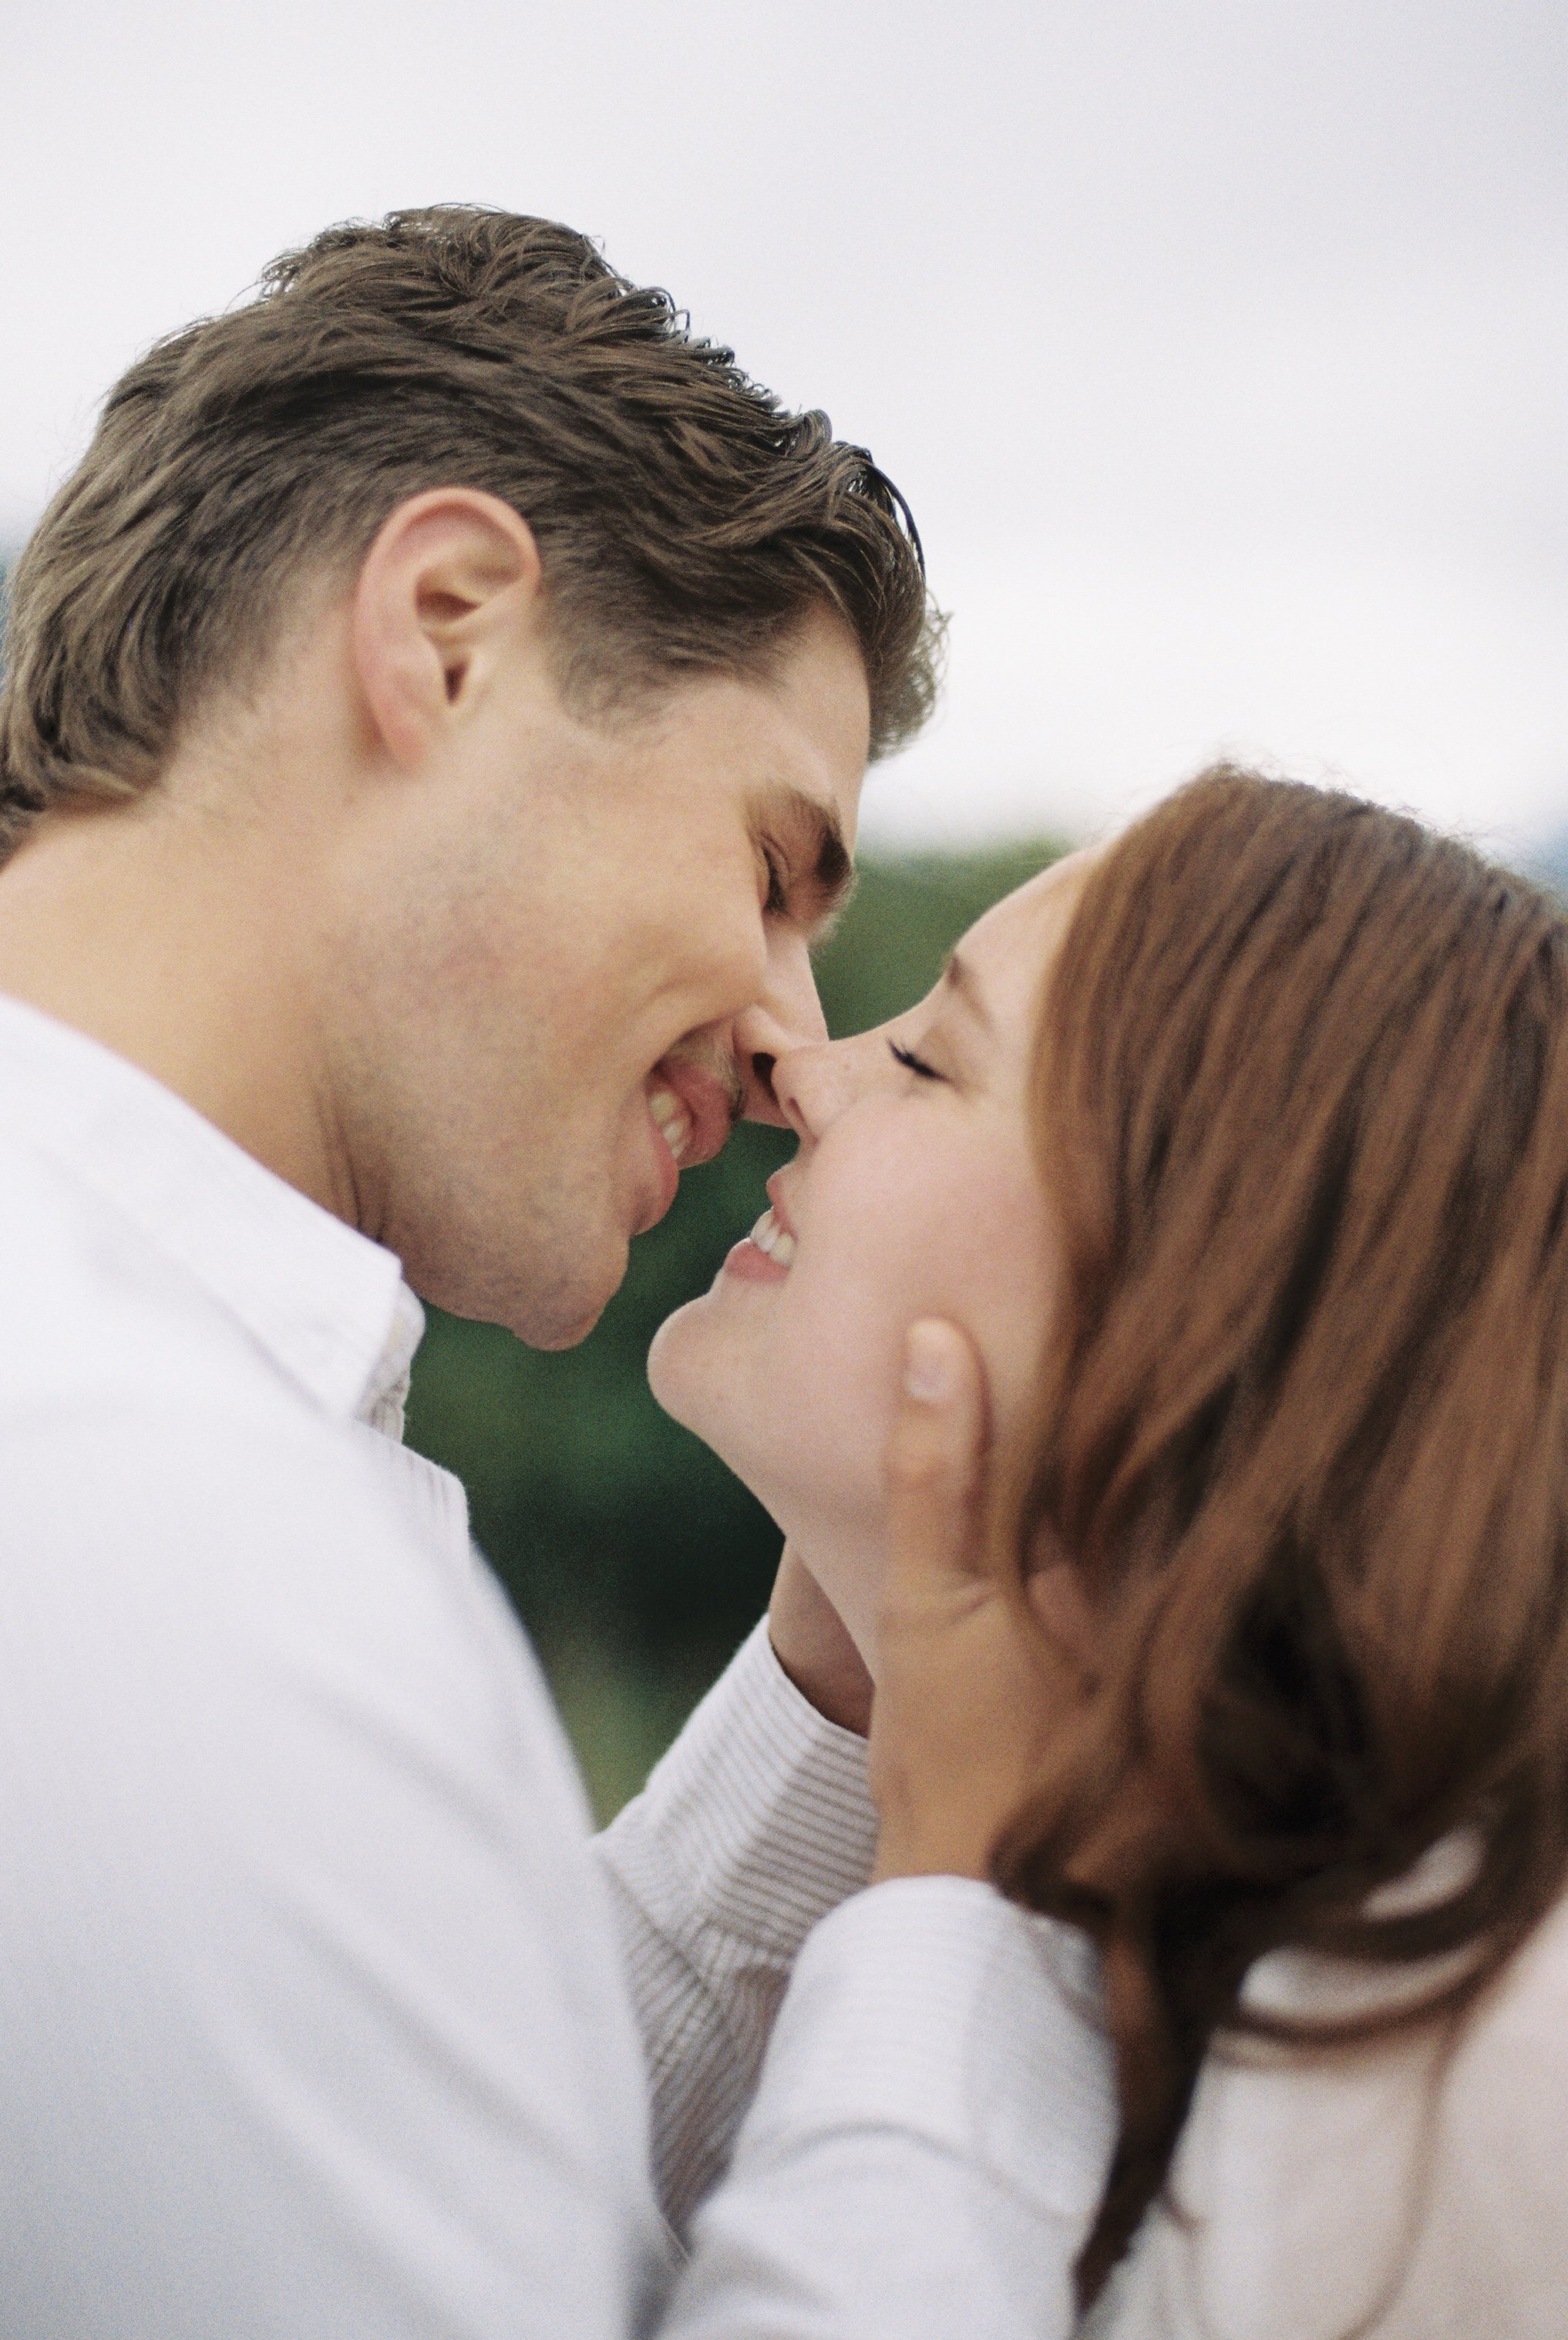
(557, 1336)
(546, 1311)
(561, 1318)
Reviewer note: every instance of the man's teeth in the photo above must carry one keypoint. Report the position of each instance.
(770, 1237)
(674, 1121)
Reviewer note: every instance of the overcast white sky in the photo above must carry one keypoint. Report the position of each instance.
(1221, 346)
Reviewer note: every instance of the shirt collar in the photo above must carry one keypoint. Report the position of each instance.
(327, 1305)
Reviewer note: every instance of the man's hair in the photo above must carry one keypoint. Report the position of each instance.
(686, 521)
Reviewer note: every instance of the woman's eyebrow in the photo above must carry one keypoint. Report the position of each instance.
(960, 977)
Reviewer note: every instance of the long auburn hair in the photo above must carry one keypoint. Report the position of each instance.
(1302, 1101)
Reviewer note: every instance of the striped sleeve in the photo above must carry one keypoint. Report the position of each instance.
(929, 2138)
(755, 1825)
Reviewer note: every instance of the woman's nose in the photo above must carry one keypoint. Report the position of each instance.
(813, 1084)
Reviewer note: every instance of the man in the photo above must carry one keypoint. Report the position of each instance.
(434, 722)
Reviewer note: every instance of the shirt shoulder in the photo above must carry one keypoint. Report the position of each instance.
(195, 1574)
(295, 1857)
(186, 1523)
(94, 1309)
(1420, 2181)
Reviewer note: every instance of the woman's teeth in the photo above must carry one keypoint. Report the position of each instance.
(674, 1121)
(770, 1237)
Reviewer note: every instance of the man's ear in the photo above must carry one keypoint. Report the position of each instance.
(450, 584)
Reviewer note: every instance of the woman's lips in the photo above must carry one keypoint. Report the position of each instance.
(765, 1256)
(780, 1199)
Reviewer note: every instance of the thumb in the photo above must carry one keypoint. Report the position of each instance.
(934, 1458)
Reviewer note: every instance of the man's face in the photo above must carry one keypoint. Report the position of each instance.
(577, 948)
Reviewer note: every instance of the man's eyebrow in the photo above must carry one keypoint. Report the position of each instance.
(819, 861)
(960, 977)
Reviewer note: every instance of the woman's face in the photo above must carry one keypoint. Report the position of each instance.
(914, 1193)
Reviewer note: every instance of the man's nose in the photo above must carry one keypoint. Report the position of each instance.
(788, 1016)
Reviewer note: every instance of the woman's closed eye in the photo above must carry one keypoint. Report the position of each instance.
(916, 1065)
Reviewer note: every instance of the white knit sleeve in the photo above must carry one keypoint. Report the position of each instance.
(755, 1824)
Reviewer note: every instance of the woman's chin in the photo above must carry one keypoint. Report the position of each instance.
(700, 1379)
(696, 1377)
(674, 1375)
(828, 1499)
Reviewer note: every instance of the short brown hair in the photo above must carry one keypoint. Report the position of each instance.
(1303, 1093)
(686, 521)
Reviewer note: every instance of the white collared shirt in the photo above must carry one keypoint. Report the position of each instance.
(320, 2016)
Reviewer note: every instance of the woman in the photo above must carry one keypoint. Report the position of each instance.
(1257, 1217)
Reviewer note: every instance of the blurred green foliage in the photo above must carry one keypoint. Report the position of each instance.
(635, 1559)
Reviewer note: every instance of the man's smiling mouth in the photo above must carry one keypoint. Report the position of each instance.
(693, 1106)
(673, 1121)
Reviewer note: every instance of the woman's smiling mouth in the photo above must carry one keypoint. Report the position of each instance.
(764, 1256)
(769, 1236)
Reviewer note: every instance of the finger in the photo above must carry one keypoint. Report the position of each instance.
(935, 1457)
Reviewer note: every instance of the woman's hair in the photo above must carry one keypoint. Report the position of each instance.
(1302, 1095)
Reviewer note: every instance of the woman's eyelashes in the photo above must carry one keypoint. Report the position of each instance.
(916, 1065)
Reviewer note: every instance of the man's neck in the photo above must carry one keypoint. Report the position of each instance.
(176, 939)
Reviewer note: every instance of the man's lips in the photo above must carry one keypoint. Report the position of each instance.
(690, 1112)
(708, 1109)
